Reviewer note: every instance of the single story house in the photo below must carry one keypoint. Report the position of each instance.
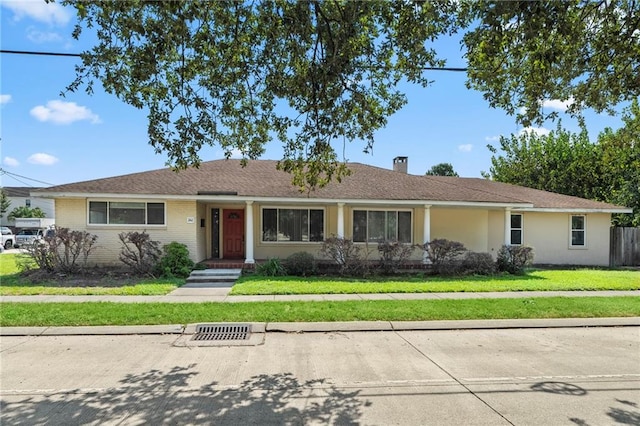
(222, 210)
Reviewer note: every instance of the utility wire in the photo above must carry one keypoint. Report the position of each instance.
(78, 55)
(16, 176)
(27, 52)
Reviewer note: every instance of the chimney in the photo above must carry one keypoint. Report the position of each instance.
(400, 164)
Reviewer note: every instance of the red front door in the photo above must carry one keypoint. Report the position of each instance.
(233, 231)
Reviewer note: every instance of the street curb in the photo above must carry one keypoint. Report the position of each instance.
(327, 327)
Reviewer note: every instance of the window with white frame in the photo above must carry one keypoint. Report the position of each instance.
(304, 225)
(578, 231)
(516, 230)
(126, 213)
(381, 225)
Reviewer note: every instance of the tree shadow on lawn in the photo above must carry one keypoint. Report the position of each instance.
(157, 397)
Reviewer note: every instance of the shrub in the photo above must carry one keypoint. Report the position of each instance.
(301, 264)
(175, 262)
(271, 268)
(443, 255)
(478, 263)
(346, 255)
(64, 251)
(513, 259)
(393, 255)
(139, 252)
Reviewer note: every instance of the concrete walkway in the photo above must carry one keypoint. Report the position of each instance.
(209, 294)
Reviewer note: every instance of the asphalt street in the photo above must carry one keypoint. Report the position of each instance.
(583, 376)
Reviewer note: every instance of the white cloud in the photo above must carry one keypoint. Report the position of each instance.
(49, 13)
(465, 148)
(60, 112)
(540, 131)
(10, 161)
(5, 99)
(557, 104)
(42, 159)
(37, 36)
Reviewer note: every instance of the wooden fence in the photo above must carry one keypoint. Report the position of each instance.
(625, 247)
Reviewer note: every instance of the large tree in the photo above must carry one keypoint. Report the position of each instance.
(442, 169)
(568, 163)
(314, 74)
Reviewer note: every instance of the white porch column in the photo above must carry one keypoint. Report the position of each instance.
(426, 233)
(340, 220)
(248, 246)
(507, 226)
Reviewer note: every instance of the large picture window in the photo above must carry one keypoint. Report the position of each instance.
(578, 231)
(126, 213)
(381, 225)
(516, 229)
(292, 225)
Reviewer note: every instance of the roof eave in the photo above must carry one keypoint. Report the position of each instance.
(288, 200)
(575, 210)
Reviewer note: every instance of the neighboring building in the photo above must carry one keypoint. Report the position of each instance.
(20, 196)
(225, 211)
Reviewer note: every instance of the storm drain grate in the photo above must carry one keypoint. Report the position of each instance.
(221, 332)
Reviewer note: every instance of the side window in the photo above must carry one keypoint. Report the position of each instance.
(578, 231)
(516, 229)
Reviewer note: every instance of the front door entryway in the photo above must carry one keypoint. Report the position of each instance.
(233, 234)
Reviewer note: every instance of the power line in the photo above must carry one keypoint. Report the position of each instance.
(16, 176)
(78, 55)
(29, 52)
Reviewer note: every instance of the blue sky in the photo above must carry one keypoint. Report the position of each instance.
(79, 137)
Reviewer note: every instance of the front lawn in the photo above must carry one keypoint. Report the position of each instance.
(13, 284)
(535, 280)
(104, 313)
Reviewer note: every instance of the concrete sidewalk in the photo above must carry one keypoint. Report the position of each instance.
(204, 294)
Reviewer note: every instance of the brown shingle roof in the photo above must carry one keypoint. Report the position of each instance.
(261, 179)
(19, 191)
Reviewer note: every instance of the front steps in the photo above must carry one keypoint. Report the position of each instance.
(213, 278)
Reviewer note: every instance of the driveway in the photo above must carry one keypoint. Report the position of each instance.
(567, 376)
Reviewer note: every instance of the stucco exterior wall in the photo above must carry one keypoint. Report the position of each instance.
(495, 231)
(72, 213)
(468, 226)
(549, 235)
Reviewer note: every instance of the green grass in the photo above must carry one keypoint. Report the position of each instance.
(12, 284)
(87, 314)
(535, 280)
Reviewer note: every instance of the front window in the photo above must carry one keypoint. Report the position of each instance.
(516, 229)
(293, 225)
(381, 225)
(126, 213)
(578, 231)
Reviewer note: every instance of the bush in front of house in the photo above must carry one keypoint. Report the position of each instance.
(444, 255)
(175, 261)
(393, 256)
(271, 268)
(474, 263)
(514, 259)
(63, 251)
(350, 258)
(301, 264)
(139, 252)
